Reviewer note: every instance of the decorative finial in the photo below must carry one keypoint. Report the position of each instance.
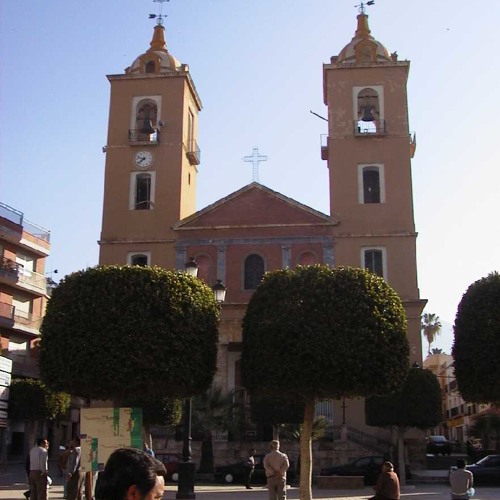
(159, 16)
(255, 159)
(361, 7)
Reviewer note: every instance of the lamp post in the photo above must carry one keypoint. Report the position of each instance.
(185, 489)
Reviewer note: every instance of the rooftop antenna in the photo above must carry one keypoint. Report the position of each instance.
(159, 16)
(255, 158)
(361, 7)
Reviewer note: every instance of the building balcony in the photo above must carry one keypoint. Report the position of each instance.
(141, 137)
(324, 146)
(193, 152)
(27, 323)
(15, 275)
(369, 129)
(6, 315)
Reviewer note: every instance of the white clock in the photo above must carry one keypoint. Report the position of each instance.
(143, 159)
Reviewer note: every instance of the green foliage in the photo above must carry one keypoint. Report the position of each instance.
(416, 404)
(324, 333)
(319, 426)
(487, 428)
(476, 348)
(116, 332)
(276, 410)
(159, 411)
(31, 400)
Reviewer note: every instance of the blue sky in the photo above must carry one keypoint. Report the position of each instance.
(258, 69)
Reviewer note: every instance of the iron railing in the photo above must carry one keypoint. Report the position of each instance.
(17, 217)
(137, 136)
(193, 152)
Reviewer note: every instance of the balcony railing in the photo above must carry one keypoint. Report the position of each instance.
(27, 319)
(17, 217)
(193, 152)
(137, 136)
(367, 129)
(16, 271)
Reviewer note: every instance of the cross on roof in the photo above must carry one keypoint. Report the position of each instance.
(255, 158)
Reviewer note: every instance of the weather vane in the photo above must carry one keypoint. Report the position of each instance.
(159, 16)
(361, 7)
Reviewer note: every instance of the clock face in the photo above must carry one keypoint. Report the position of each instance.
(143, 159)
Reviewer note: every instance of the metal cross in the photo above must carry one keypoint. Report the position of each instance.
(255, 159)
(361, 7)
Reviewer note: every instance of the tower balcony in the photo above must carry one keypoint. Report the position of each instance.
(369, 129)
(193, 152)
(141, 137)
(324, 146)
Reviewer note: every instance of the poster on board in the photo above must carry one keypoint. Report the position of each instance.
(103, 430)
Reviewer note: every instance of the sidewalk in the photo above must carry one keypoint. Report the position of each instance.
(13, 484)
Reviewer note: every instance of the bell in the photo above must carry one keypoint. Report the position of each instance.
(147, 127)
(367, 114)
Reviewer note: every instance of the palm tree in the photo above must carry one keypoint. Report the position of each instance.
(213, 411)
(431, 326)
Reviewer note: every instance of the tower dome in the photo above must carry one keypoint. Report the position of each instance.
(363, 48)
(157, 59)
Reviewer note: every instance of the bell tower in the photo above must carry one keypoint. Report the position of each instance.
(368, 152)
(152, 157)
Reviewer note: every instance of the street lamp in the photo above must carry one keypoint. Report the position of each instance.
(185, 489)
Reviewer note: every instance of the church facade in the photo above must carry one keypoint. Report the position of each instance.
(152, 161)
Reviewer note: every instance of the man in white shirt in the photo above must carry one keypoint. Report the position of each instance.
(39, 470)
(461, 481)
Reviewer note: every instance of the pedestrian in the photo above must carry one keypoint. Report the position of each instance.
(75, 477)
(276, 464)
(461, 481)
(62, 463)
(249, 466)
(131, 474)
(27, 469)
(39, 470)
(387, 487)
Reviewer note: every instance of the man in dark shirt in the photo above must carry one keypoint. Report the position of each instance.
(387, 487)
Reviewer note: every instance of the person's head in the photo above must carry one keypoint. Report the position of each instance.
(275, 444)
(387, 466)
(43, 443)
(461, 463)
(131, 474)
(251, 452)
(75, 442)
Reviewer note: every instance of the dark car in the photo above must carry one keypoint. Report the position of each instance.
(368, 467)
(235, 473)
(438, 445)
(171, 463)
(486, 470)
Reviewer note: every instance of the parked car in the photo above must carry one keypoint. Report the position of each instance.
(171, 463)
(486, 470)
(438, 445)
(369, 467)
(235, 473)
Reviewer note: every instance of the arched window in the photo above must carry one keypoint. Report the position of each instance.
(307, 259)
(150, 67)
(139, 259)
(254, 270)
(368, 107)
(143, 192)
(146, 114)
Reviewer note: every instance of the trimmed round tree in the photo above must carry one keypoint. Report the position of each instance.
(476, 348)
(416, 404)
(315, 332)
(128, 332)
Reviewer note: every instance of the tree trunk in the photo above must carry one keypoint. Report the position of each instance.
(207, 455)
(401, 456)
(306, 451)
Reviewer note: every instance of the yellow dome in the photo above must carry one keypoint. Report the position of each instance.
(157, 59)
(363, 48)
